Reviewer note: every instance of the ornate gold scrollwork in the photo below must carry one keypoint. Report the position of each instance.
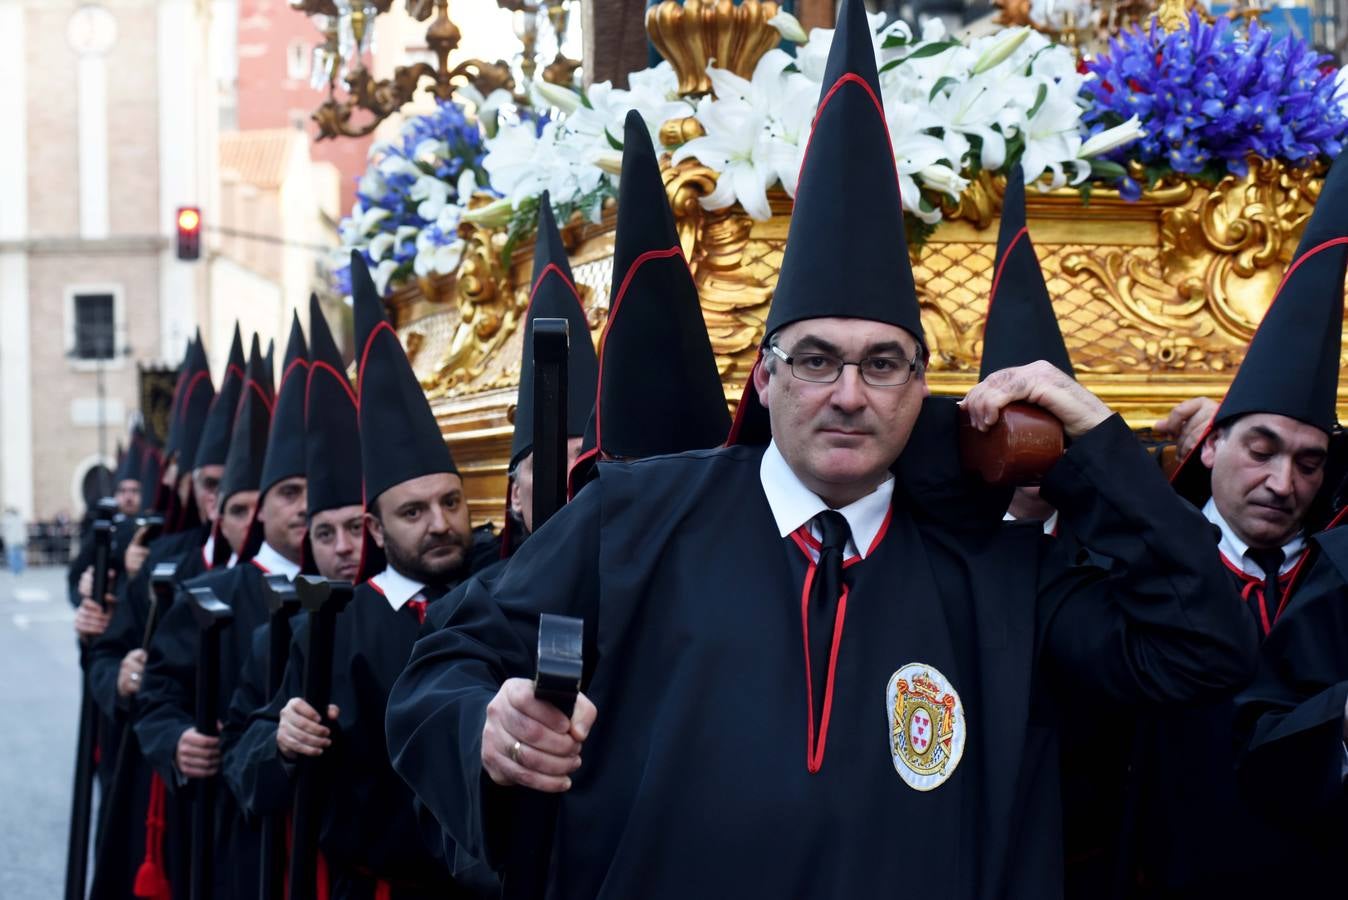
(694, 33)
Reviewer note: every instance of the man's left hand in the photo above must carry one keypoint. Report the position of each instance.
(91, 620)
(1040, 384)
(136, 553)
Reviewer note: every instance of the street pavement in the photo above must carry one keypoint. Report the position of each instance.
(39, 708)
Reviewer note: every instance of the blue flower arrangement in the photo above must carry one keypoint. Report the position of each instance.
(1212, 95)
(407, 201)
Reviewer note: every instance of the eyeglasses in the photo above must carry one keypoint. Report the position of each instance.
(822, 368)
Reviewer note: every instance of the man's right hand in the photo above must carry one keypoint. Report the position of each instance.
(130, 673)
(301, 732)
(529, 742)
(91, 620)
(198, 754)
(1187, 423)
(136, 554)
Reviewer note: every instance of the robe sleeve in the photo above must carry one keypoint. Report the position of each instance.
(1290, 721)
(167, 693)
(1163, 624)
(250, 761)
(438, 706)
(125, 631)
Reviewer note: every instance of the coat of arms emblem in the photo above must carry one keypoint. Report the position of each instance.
(926, 726)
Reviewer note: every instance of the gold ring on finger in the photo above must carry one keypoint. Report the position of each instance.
(515, 753)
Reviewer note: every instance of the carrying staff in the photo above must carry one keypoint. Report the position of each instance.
(419, 545)
(141, 850)
(732, 739)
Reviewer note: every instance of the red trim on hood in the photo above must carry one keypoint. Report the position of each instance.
(190, 389)
(1001, 266)
(632, 270)
(850, 78)
(556, 270)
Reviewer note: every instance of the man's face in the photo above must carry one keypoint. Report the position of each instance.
(841, 438)
(206, 486)
(285, 517)
(1266, 470)
(335, 535)
(236, 517)
(127, 496)
(423, 526)
(522, 487)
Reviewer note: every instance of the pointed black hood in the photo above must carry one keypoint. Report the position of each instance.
(248, 442)
(1021, 326)
(399, 437)
(659, 387)
(269, 369)
(848, 217)
(171, 439)
(554, 296)
(213, 446)
(193, 406)
(1292, 365)
(331, 429)
(129, 461)
(285, 441)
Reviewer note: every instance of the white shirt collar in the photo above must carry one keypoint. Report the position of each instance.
(1050, 524)
(269, 560)
(208, 550)
(793, 504)
(1237, 552)
(396, 587)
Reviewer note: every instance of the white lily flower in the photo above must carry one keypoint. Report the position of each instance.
(971, 109)
(380, 245)
(365, 223)
(560, 98)
(448, 220)
(1112, 138)
(736, 148)
(494, 215)
(1001, 51)
(402, 234)
(372, 184)
(467, 185)
(440, 259)
(789, 27)
(1052, 142)
(608, 161)
(942, 178)
(381, 274)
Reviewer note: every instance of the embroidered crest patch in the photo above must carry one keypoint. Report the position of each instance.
(926, 726)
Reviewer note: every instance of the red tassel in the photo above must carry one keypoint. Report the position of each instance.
(151, 880)
(383, 891)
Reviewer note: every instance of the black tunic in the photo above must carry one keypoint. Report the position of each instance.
(695, 780)
(167, 700)
(1290, 720)
(371, 830)
(1196, 834)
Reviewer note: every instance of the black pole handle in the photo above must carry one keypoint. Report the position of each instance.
(282, 602)
(211, 616)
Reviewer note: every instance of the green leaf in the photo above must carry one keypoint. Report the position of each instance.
(1107, 170)
(585, 101)
(940, 86)
(894, 40)
(933, 49)
(1039, 99)
(612, 141)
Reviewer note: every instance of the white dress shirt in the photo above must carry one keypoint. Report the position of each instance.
(396, 587)
(1237, 552)
(1050, 524)
(793, 505)
(273, 563)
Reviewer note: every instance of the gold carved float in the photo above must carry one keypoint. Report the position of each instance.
(1157, 299)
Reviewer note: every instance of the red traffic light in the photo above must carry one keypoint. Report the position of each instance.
(189, 233)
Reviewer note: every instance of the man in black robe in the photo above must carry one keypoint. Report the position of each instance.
(251, 763)
(806, 677)
(1263, 476)
(418, 544)
(139, 850)
(264, 471)
(1293, 720)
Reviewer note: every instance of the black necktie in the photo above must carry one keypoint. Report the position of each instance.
(825, 591)
(1270, 560)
